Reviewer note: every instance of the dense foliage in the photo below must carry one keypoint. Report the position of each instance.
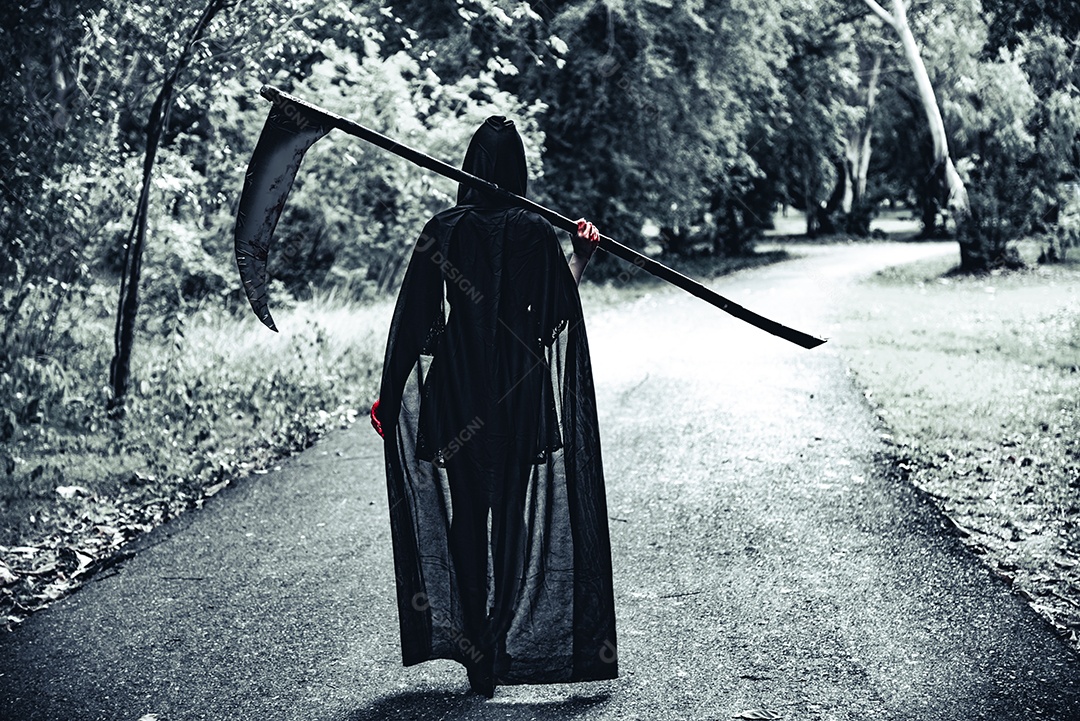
(679, 127)
(698, 117)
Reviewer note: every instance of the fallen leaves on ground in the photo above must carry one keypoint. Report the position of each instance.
(88, 532)
(87, 541)
(1001, 511)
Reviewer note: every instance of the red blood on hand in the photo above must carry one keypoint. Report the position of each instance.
(589, 232)
(375, 422)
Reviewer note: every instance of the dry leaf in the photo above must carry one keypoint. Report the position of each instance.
(6, 576)
(211, 490)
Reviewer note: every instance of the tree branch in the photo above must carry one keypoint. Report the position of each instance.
(881, 12)
(851, 17)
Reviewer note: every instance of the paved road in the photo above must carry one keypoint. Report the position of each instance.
(764, 560)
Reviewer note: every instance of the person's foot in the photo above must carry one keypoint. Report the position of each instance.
(481, 681)
(481, 670)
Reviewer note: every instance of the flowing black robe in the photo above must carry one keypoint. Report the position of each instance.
(493, 463)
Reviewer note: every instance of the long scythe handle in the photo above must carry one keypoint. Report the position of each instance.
(332, 120)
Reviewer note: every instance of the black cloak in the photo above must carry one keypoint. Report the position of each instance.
(493, 466)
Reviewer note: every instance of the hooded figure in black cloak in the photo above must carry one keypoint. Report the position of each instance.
(493, 465)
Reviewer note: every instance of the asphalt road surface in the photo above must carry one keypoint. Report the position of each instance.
(765, 561)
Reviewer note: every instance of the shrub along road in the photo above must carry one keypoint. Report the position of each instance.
(765, 561)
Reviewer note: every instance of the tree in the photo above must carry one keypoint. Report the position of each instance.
(998, 153)
(669, 102)
(43, 227)
(953, 191)
(1010, 21)
(1050, 64)
(120, 369)
(854, 168)
(822, 86)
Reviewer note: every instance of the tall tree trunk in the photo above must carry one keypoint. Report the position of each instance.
(127, 309)
(59, 73)
(813, 208)
(827, 213)
(846, 211)
(857, 158)
(951, 186)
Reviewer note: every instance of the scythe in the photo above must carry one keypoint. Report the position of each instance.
(294, 125)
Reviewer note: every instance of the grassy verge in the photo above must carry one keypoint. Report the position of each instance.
(978, 379)
(216, 397)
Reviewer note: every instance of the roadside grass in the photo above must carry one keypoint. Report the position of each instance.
(978, 381)
(216, 397)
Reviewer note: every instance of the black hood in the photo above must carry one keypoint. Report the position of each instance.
(496, 154)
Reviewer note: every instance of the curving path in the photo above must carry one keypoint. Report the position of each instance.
(764, 560)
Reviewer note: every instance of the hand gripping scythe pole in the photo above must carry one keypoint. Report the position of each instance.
(294, 125)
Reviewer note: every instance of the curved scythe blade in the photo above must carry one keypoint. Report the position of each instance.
(286, 136)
